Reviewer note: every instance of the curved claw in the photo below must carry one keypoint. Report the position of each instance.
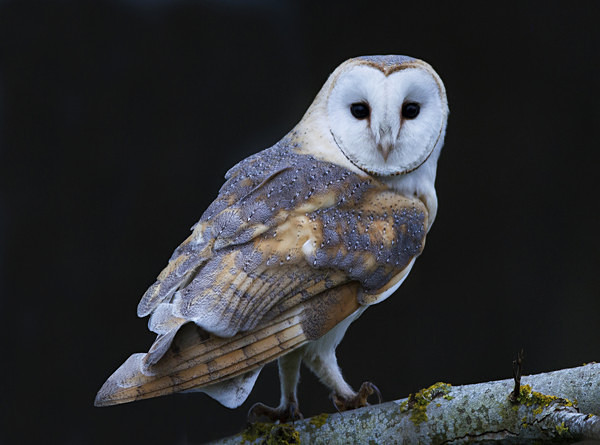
(359, 400)
(368, 388)
(257, 411)
(336, 401)
(293, 412)
(283, 414)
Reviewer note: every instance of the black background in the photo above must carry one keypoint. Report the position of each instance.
(118, 120)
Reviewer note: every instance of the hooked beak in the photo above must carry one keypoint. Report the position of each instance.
(385, 141)
(385, 150)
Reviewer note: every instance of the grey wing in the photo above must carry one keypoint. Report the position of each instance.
(285, 227)
(229, 219)
(301, 273)
(262, 196)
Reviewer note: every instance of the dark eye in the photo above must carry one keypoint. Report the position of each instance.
(360, 110)
(410, 110)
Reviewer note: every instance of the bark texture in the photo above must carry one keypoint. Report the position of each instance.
(555, 407)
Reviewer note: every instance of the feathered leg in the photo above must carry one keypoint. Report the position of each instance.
(343, 396)
(289, 375)
(320, 357)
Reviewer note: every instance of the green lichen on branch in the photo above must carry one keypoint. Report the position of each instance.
(256, 430)
(561, 429)
(271, 434)
(528, 397)
(480, 412)
(319, 420)
(418, 403)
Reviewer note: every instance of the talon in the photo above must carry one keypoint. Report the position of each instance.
(359, 400)
(379, 397)
(337, 402)
(367, 389)
(293, 412)
(257, 411)
(283, 414)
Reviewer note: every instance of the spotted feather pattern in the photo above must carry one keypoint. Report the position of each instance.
(286, 226)
(197, 359)
(290, 247)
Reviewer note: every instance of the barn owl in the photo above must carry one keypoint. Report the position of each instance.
(301, 239)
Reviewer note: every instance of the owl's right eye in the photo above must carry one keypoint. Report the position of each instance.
(360, 110)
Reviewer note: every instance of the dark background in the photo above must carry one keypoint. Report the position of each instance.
(118, 120)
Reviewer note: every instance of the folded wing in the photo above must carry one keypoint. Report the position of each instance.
(290, 247)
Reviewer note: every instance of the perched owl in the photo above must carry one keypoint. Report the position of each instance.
(300, 240)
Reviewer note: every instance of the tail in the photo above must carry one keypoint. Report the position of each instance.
(195, 360)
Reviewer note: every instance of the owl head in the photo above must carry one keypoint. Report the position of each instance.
(385, 116)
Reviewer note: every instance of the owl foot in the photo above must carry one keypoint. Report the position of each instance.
(359, 400)
(283, 414)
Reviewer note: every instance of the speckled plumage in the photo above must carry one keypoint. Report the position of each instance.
(296, 242)
(269, 207)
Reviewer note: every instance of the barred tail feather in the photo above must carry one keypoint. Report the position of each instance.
(208, 366)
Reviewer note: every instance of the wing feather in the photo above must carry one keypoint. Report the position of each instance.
(220, 359)
(290, 247)
(196, 359)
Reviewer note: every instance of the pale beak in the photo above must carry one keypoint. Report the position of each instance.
(385, 141)
(385, 150)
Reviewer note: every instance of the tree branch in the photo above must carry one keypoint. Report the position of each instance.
(559, 406)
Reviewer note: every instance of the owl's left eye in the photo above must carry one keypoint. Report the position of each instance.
(360, 110)
(410, 110)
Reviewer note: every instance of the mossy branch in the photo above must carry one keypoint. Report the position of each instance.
(560, 406)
